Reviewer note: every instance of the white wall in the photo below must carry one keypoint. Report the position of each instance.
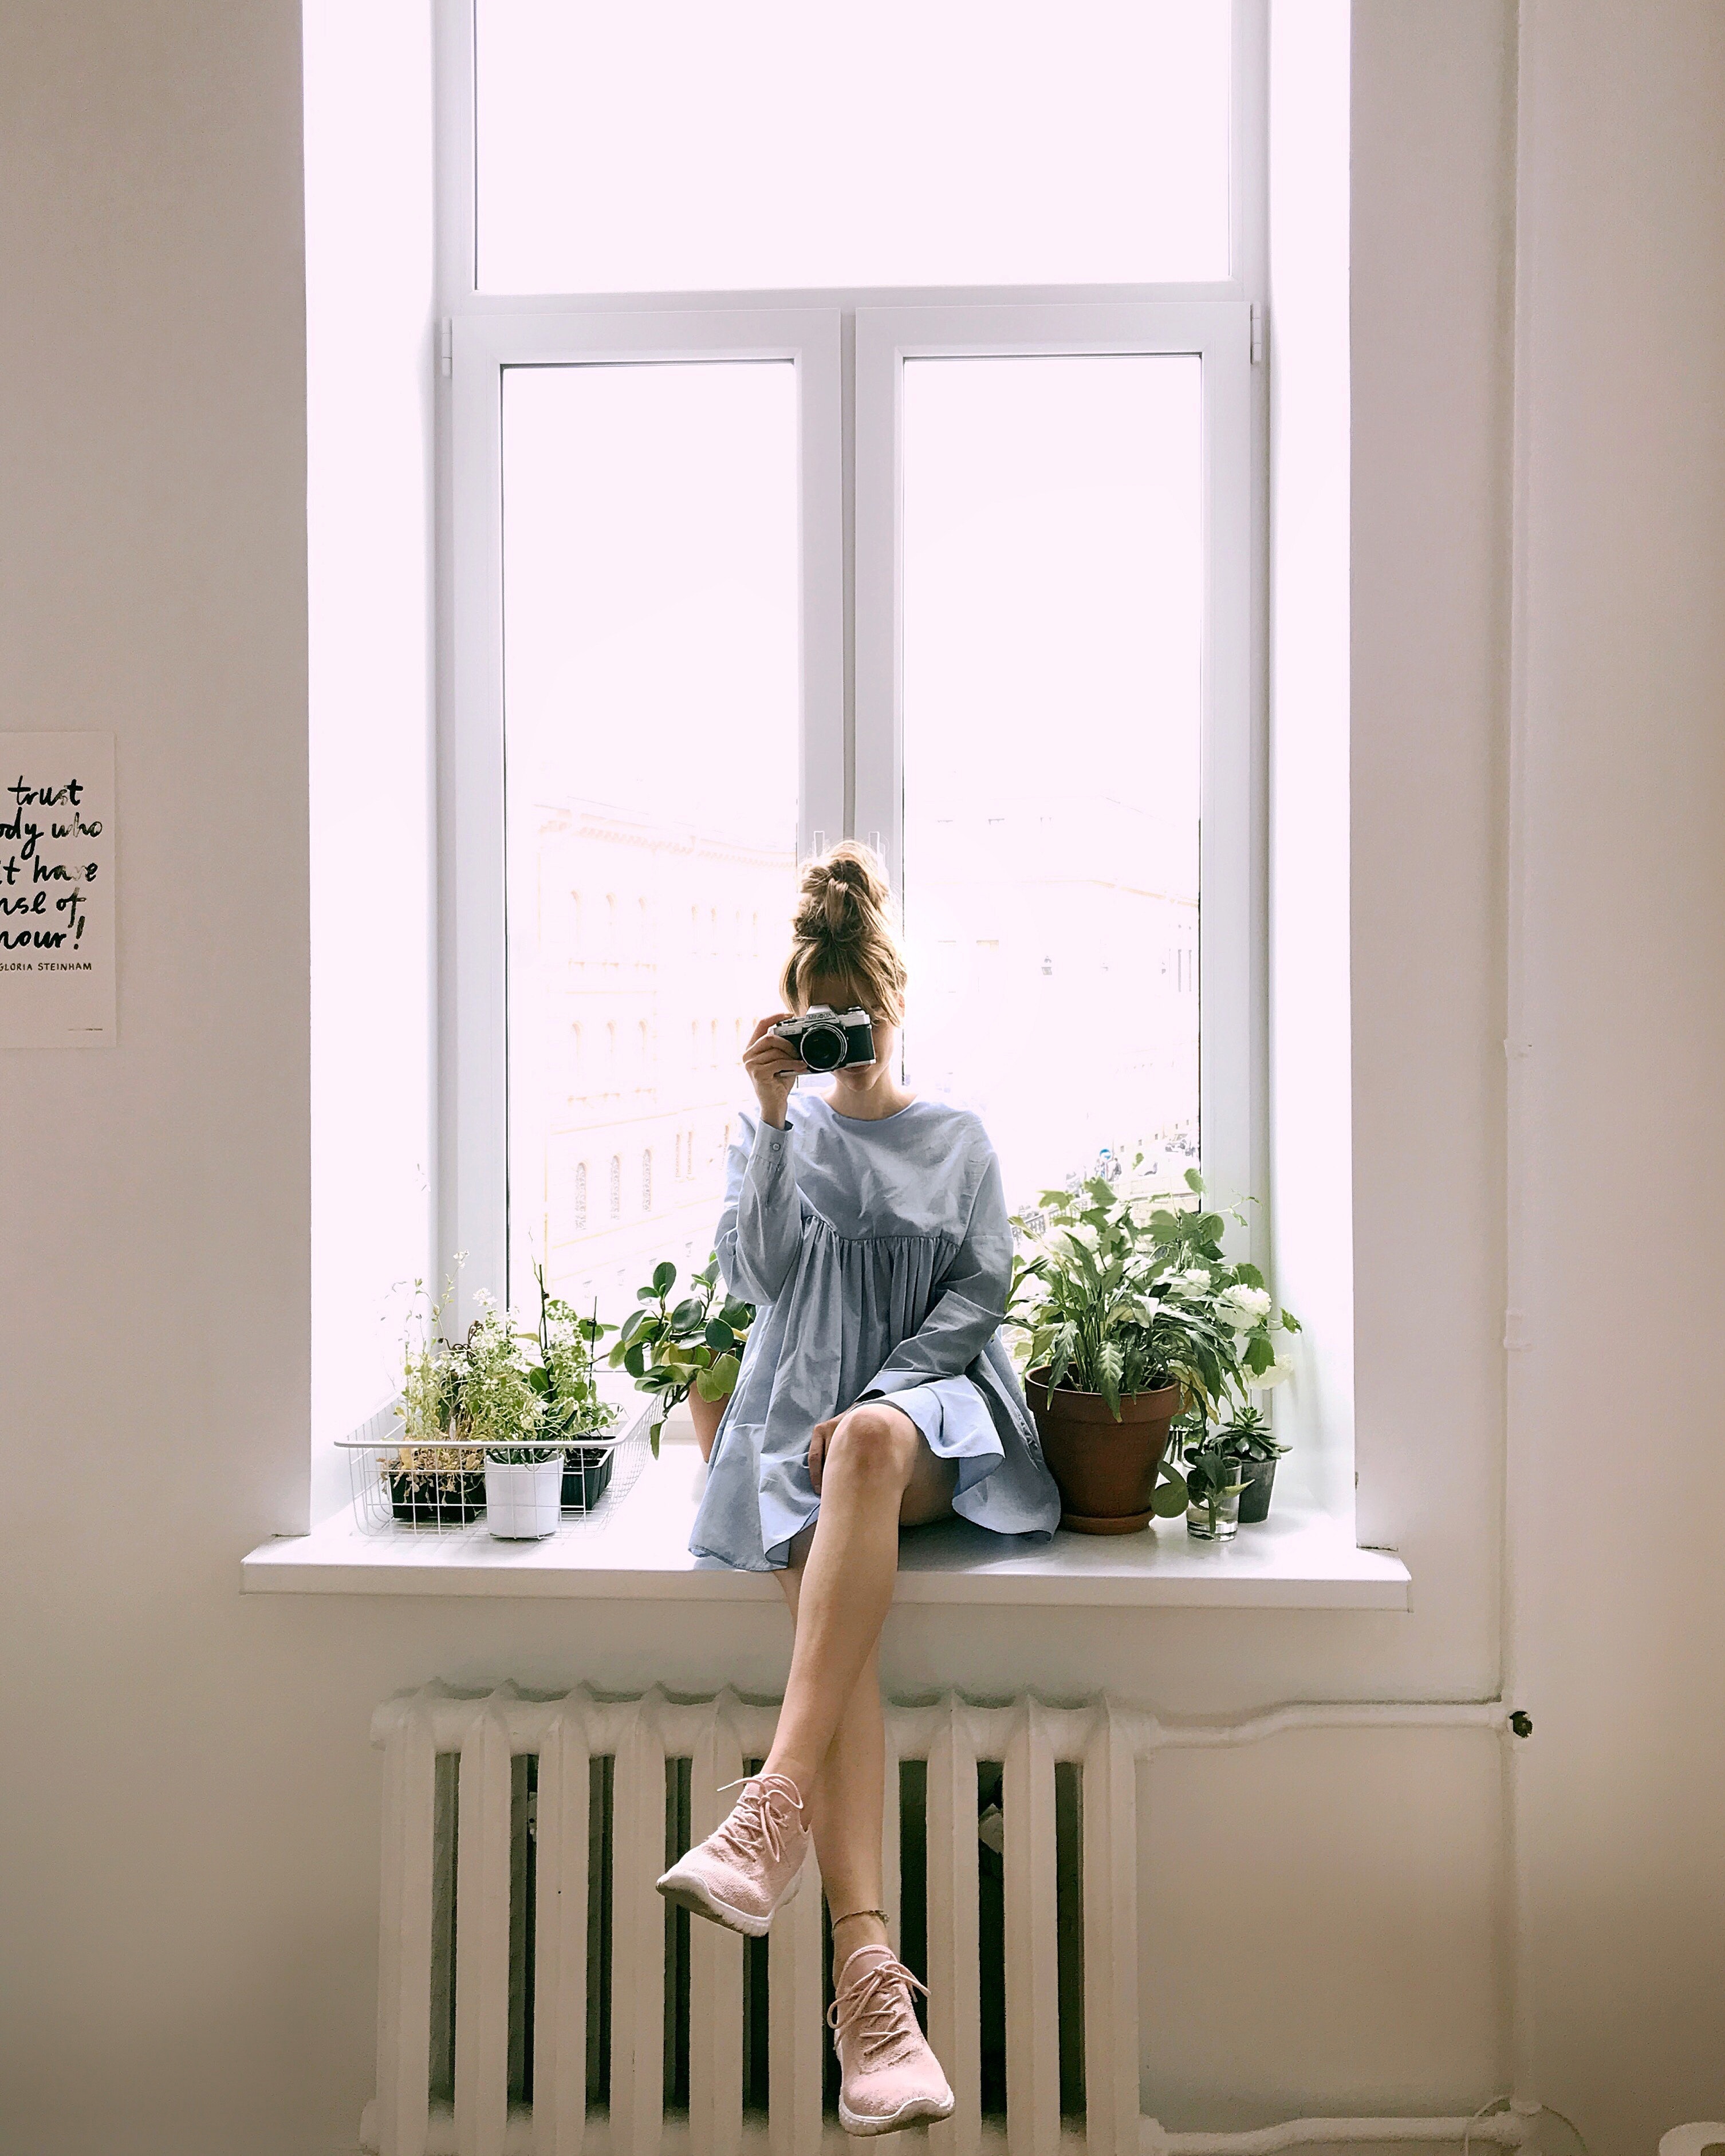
(1619, 1162)
(368, 388)
(187, 1899)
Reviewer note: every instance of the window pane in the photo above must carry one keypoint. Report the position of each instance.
(1053, 591)
(673, 145)
(651, 642)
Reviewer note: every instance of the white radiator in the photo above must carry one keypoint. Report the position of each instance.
(542, 2020)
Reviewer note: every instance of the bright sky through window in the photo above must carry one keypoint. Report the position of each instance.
(1053, 597)
(673, 145)
(650, 700)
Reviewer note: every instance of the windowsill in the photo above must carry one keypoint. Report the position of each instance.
(1297, 1560)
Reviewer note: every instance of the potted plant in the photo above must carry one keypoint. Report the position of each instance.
(505, 1415)
(1132, 1315)
(435, 1480)
(691, 1350)
(1248, 1439)
(566, 1378)
(1247, 1322)
(1117, 1346)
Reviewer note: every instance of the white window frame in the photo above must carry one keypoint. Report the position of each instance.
(473, 1125)
(1217, 333)
(849, 348)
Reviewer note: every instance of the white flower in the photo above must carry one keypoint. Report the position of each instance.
(1243, 1307)
(1195, 1280)
(1278, 1371)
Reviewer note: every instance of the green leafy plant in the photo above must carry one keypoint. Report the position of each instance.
(1219, 1459)
(503, 1409)
(696, 1343)
(1246, 1436)
(1105, 1305)
(1213, 1471)
(1125, 1292)
(566, 1376)
(483, 1397)
(433, 1455)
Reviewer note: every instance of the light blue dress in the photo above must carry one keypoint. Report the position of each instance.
(879, 1257)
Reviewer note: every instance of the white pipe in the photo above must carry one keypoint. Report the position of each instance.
(1070, 1728)
(1387, 1714)
(1518, 1494)
(1501, 2131)
(1504, 2129)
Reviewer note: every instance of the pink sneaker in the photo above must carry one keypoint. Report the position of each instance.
(889, 2075)
(747, 1870)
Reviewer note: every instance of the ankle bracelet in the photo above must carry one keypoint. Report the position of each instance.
(849, 1914)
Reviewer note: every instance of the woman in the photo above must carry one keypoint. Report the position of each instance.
(870, 1229)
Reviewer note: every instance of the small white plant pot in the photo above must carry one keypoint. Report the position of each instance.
(524, 1499)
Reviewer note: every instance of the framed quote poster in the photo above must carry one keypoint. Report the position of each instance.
(56, 891)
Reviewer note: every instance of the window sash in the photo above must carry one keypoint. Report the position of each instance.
(1219, 333)
(472, 1185)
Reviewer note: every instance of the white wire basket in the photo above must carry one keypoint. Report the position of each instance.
(400, 1488)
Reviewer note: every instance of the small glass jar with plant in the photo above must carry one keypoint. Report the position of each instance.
(1253, 1444)
(687, 1350)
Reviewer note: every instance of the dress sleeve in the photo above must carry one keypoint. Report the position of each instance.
(971, 1305)
(760, 1228)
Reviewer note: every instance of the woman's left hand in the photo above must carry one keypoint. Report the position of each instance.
(819, 1439)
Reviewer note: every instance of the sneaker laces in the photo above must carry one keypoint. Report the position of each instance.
(755, 1817)
(876, 2009)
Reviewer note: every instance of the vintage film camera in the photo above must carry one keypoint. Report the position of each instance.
(827, 1039)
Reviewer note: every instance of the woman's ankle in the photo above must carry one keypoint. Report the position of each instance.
(855, 1928)
(791, 1770)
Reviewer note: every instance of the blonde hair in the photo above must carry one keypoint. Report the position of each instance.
(842, 937)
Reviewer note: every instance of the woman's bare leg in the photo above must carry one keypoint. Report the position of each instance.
(831, 1739)
(846, 1806)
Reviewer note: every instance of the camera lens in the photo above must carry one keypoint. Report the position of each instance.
(824, 1047)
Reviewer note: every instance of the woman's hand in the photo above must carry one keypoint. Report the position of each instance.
(819, 1439)
(774, 1066)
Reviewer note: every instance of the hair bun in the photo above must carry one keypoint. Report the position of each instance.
(842, 931)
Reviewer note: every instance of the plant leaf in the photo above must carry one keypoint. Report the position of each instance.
(719, 1383)
(665, 1275)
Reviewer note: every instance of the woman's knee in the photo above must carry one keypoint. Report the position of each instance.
(874, 1443)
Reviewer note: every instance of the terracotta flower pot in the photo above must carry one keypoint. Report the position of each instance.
(1106, 1470)
(705, 1414)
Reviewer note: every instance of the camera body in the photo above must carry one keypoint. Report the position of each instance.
(827, 1039)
